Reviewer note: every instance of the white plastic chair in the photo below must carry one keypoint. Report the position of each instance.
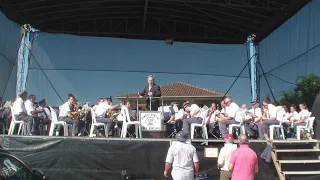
(127, 121)
(202, 125)
(308, 127)
(240, 116)
(14, 122)
(175, 108)
(55, 122)
(96, 124)
(280, 118)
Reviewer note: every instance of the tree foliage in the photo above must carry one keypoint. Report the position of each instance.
(306, 90)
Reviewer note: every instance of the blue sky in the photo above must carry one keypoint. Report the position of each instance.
(111, 66)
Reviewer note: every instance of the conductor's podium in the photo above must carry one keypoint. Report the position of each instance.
(151, 124)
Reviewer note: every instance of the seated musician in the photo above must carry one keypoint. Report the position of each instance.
(178, 119)
(31, 108)
(290, 118)
(270, 117)
(195, 116)
(169, 118)
(94, 107)
(228, 116)
(121, 117)
(211, 115)
(304, 114)
(45, 115)
(65, 114)
(5, 115)
(20, 112)
(101, 112)
(253, 116)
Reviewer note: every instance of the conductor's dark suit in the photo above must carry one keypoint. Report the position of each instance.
(156, 92)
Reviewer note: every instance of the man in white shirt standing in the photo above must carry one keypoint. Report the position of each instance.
(270, 119)
(228, 116)
(101, 111)
(225, 156)
(31, 111)
(65, 112)
(195, 116)
(20, 112)
(183, 158)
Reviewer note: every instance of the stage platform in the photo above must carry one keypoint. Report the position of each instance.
(84, 158)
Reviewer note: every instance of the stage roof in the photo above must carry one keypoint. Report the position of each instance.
(203, 21)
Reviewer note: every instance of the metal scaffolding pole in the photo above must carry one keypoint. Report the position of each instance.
(22, 66)
(254, 68)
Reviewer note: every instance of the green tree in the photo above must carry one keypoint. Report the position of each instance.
(306, 90)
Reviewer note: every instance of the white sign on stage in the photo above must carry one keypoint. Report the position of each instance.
(211, 152)
(151, 121)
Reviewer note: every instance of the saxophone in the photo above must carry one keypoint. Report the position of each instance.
(112, 114)
(75, 114)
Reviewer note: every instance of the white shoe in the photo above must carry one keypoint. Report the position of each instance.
(57, 133)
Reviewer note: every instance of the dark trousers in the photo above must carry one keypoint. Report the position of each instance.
(35, 125)
(109, 122)
(251, 128)
(45, 122)
(298, 124)
(224, 124)
(187, 122)
(75, 123)
(28, 120)
(263, 126)
(154, 105)
(178, 124)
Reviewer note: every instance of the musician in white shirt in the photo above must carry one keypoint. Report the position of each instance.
(195, 116)
(211, 116)
(293, 116)
(99, 101)
(31, 111)
(304, 114)
(101, 111)
(270, 119)
(20, 112)
(65, 113)
(253, 117)
(45, 115)
(228, 117)
(178, 118)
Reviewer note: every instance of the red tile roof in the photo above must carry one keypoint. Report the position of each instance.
(181, 89)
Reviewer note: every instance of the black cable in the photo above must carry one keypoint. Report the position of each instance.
(44, 73)
(293, 58)
(236, 78)
(5, 87)
(268, 84)
(131, 71)
(281, 79)
(13, 65)
(7, 58)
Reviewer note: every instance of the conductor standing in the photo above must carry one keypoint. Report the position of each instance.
(151, 90)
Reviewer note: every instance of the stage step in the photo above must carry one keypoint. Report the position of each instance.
(298, 161)
(296, 150)
(300, 172)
